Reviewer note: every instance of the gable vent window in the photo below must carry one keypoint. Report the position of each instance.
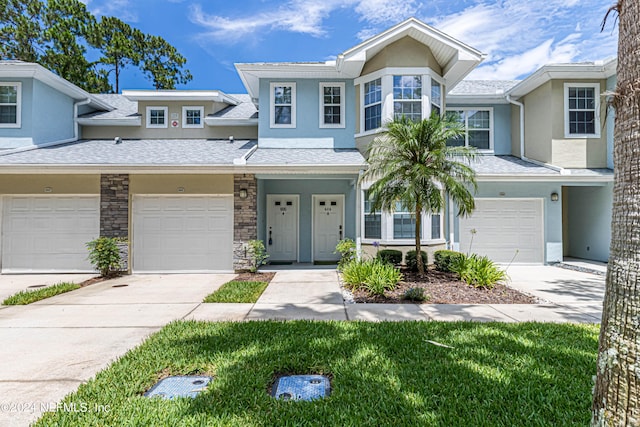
(10, 104)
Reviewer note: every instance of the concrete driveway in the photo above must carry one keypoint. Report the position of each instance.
(51, 347)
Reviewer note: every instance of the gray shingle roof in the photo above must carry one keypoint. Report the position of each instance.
(509, 165)
(305, 156)
(245, 110)
(134, 152)
(482, 87)
(123, 107)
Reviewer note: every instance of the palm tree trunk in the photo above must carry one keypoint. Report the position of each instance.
(616, 399)
(417, 233)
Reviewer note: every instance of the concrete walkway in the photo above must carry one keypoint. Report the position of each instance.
(52, 346)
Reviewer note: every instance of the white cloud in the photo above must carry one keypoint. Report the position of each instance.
(301, 16)
(121, 9)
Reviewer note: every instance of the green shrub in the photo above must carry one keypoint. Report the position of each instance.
(392, 256)
(444, 259)
(479, 271)
(347, 250)
(373, 275)
(383, 277)
(415, 294)
(104, 254)
(412, 262)
(257, 254)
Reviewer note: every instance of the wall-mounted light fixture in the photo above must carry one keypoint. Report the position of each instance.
(243, 193)
(555, 197)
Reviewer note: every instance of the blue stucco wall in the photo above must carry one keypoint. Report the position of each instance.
(589, 221)
(46, 115)
(501, 126)
(54, 113)
(306, 188)
(552, 210)
(308, 113)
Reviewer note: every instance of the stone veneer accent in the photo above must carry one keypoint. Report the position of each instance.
(245, 220)
(114, 211)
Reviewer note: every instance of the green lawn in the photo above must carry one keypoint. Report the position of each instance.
(383, 374)
(236, 291)
(27, 297)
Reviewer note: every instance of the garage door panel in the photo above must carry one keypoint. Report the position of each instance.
(183, 233)
(48, 234)
(503, 227)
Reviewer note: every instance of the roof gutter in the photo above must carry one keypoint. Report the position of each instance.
(522, 156)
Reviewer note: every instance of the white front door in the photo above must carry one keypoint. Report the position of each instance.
(328, 226)
(282, 227)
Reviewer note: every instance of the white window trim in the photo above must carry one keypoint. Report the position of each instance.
(272, 104)
(422, 99)
(324, 125)
(364, 106)
(166, 117)
(386, 225)
(18, 123)
(596, 87)
(491, 128)
(192, 108)
(386, 76)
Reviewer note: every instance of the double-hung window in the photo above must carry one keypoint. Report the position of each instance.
(404, 223)
(478, 128)
(582, 102)
(10, 98)
(332, 99)
(372, 220)
(436, 97)
(157, 117)
(407, 97)
(192, 117)
(373, 104)
(283, 105)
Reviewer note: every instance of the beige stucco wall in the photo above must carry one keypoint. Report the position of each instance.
(538, 117)
(369, 251)
(576, 152)
(406, 52)
(59, 184)
(141, 132)
(192, 184)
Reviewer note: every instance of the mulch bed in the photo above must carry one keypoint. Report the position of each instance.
(92, 281)
(255, 277)
(444, 288)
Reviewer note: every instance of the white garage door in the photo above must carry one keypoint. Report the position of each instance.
(48, 234)
(504, 226)
(182, 233)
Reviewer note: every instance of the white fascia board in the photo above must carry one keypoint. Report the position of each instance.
(476, 99)
(219, 121)
(180, 95)
(545, 178)
(38, 72)
(598, 70)
(131, 121)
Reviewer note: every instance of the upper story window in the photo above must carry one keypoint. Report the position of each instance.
(373, 104)
(478, 127)
(407, 97)
(157, 117)
(283, 105)
(332, 99)
(192, 117)
(10, 99)
(582, 106)
(436, 97)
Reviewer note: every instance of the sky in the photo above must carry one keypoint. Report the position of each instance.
(518, 36)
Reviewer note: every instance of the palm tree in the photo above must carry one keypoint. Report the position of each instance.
(411, 164)
(616, 394)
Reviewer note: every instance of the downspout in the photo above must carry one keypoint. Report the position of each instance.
(359, 214)
(522, 156)
(76, 129)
